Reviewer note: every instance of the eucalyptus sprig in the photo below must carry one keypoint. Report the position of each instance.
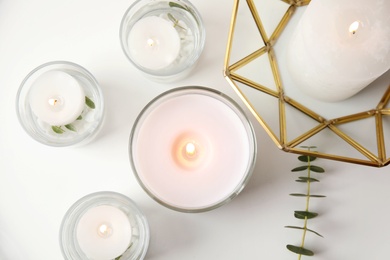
(175, 21)
(59, 130)
(182, 6)
(305, 214)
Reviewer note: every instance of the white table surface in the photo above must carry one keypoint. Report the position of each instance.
(39, 183)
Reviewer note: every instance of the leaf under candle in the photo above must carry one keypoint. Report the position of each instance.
(57, 129)
(89, 102)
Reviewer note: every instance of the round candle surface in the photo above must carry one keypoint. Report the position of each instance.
(56, 98)
(192, 151)
(154, 42)
(104, 232)
(339, 47)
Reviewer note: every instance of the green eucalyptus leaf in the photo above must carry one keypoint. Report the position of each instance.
(89, 102)
(306, 179)
(306, 158)
(317, 196)
(80, 117)
(300, 250)
(298, 194)
(57, 129)
(303, 228)
(304, 214)
(300, 168)
(173, 4)
(305, 195)
(316, 169)
(71, 127)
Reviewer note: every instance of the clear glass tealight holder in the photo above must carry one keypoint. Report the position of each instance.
(163, 39)
(60, 104)
(104, 225)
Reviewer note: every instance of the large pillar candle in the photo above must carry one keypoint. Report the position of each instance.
(340, 47)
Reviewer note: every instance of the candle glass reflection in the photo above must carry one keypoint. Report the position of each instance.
(60, 104)
(163, 39)
(104, 226)
(192, 149)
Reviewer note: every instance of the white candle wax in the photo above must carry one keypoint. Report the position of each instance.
(192, 151)
(104, 233)
(154, 42)
(56, 98)
(339, 47)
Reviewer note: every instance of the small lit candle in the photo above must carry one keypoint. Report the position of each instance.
(154, 42)
(56, 98)
(192, 150)
(104, 226)
(340, 47)
(104, 232)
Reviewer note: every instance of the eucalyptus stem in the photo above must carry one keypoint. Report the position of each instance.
(306, 208)
(306, 214)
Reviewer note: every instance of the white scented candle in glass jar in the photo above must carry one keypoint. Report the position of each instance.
(60, 103)
(340, 47)
(104, 226)
(57, 98)
(163, 39)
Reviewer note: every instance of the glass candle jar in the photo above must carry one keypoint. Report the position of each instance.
(60, 104)
(163, 39)
(104, 226)
(192, 149)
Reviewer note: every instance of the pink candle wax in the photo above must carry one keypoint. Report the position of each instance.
(192, 149)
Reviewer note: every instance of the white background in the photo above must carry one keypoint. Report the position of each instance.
(39, 183)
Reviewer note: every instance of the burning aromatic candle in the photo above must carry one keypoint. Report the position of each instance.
(154, 42)
(104, 232)
(57, 98)
(104, 226)
(339, 47)
(161, 38)
(192, 149)
(60, 104)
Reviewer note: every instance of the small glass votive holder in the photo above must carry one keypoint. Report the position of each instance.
(104, 225)
(163, 39)
(60, 104)
(192, 149)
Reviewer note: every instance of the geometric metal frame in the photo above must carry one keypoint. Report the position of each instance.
(379, 112)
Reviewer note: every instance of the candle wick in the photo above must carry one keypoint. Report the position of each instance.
(53, 101)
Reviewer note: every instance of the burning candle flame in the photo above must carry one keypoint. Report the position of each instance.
(150, 42)
(104, 231)
(190, 149)
(354, 27)
(53, 101)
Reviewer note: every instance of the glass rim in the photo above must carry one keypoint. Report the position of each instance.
(251, 140)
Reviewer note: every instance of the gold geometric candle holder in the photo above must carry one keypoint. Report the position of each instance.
(356, 131)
